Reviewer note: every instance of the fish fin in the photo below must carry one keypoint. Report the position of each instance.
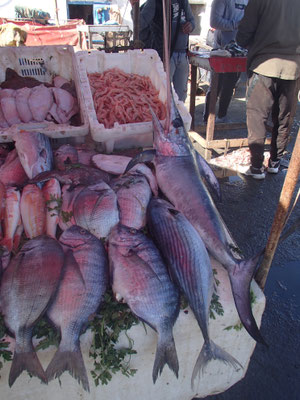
(71, 361)
(211, 351)
(240, 280)
(208, 174)
(26, 362)
(144, 156)
(165, 354)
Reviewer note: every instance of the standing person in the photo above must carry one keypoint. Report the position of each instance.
(270, 30)
(182, 24)
(224, 18)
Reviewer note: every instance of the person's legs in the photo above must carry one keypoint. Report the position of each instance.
(259, 100)
(207, 98)
(281, 113)
(179, 74)
(228, 84)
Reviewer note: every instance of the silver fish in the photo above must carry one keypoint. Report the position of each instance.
(79, 295)
(133, 193)
(28, 285)
(189, 266)
(95, 208)
(139, 276)
(179, 178)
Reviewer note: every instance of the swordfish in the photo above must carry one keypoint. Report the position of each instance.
(179, 170)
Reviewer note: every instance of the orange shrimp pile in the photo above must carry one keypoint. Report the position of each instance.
(124, 98)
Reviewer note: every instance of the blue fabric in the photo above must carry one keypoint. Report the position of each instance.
(179, 72)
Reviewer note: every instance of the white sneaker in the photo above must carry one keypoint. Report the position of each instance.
(273, 166)
(256, 173)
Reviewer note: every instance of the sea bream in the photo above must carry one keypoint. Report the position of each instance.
(179, 178)
(133, 194)
(27, 287)
(80, 292)
(190, 268)
(139, 276)
(95, 208)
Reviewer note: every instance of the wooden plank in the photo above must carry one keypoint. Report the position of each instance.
(221, 143)
(193, 93)
(221, 127)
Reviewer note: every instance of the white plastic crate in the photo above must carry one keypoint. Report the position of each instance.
(145, 63)
(43, 63)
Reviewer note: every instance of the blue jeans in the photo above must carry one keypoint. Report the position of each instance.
(179, 73)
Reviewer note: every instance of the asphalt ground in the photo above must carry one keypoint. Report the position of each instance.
(248, 207)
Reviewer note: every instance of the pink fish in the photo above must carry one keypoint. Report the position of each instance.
(8, 106)
(11, 216)
(40, 102)
(22, 96)
(52, 195)
(11, 172)
(33, 211)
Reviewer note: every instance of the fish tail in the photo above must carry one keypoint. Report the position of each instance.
(165, 354)
(211, 351)
(71, 361)
(26, 362)
(240, 280)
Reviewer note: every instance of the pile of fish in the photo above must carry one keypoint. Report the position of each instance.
(32, 101)
(62, 204)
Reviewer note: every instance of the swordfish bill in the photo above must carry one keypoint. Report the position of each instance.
(179, 178)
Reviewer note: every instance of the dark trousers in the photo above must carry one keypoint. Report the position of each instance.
(267, 96)
(226, 85)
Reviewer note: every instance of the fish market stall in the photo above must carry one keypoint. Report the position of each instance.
(94, 257)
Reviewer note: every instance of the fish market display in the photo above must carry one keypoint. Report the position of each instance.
(34, 151)
(190, 267)
(95, 209)
(28, 285)
(79, 295)
(179, 178)
(124, 98)
(139, 276)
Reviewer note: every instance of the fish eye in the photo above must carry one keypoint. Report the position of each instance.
(133, 231)
(82, 231)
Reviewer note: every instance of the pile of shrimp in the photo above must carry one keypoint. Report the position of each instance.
(124, 98)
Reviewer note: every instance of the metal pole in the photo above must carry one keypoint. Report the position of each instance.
(136, 20)
(281, 213)
(56, 13)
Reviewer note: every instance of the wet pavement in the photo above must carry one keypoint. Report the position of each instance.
(248, 207)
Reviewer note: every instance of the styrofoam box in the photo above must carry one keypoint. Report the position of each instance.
(145, 63)
(43, 63)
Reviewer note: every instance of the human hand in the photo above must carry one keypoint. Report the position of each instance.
(187, 27)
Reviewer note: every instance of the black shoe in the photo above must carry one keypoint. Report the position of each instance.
(273, 166)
